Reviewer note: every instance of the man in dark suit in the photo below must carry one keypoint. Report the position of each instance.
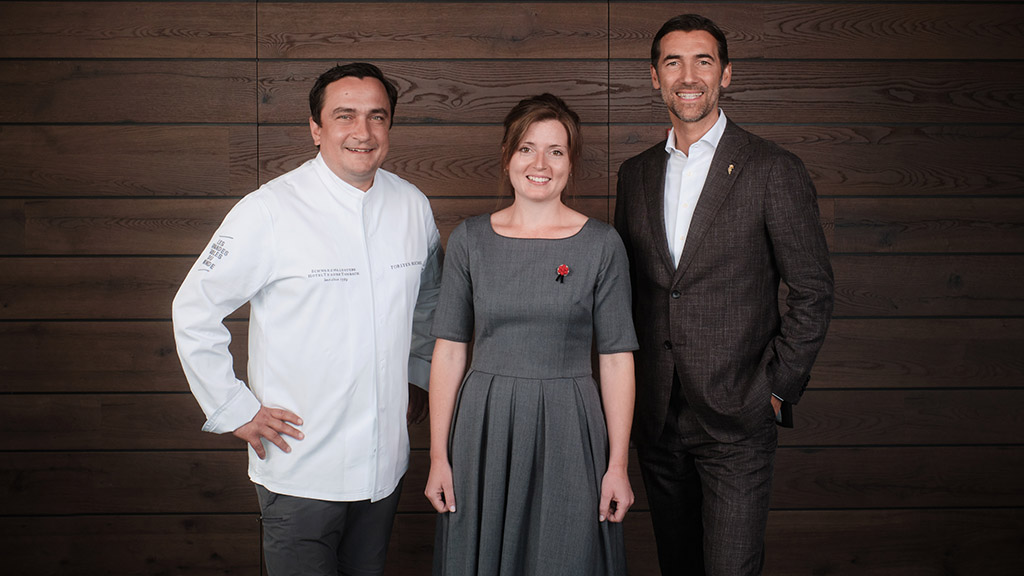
(712, 219)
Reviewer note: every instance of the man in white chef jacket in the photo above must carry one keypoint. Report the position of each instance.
(340, 263)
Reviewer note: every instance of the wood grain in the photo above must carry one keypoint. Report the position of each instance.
(928, 285)
(189, 482)
(873, 286)
(84, 161)
(123, 545)
(835, 543)
(101, 226)
(93, 288)
(446, 92)
(808, 91)
(895, 542)
(864, 354)
(898, 477)
(921, 353)
(992, 225)
(111, 91)
(864, 160)
(105, 421)
(851, 30)
(825, 418)
(906, 417)
(135, 30)
(368, 30)
(140, 483)
(71, 358)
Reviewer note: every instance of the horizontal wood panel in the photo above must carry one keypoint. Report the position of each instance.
(474, 92)
(80, 357)
(48, 483)
(157, 91)
(921, 353)
(63, 483)
(463, 160)
(143, 287)
(95, 288)
(174, 227)
(834, 543)
(201, 545)
(840, 543)
(929, 225)
(911, 417)
(443, 161)
(824, 418)
(850, 30)
(121, 421)
(365, 30)
(127, 226)
(128, 30)
(855, 160)
(828, 92)
(909, 477)
(444, 92)
(43, 161)
(939, 285)
(894, 542)
(108, 421)
(83, 357)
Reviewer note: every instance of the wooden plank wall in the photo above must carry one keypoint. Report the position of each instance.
(128, 129)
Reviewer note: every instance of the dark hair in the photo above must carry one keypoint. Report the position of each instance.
(690, 23)
(357, 70)
(537, 109)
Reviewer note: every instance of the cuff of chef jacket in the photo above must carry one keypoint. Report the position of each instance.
(419, 372)
(237, 411)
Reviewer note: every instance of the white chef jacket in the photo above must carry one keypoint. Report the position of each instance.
(342, 286)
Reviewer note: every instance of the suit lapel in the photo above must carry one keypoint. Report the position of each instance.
(731, 151)
(654, 190)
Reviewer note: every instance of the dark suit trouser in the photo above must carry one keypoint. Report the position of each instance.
(709, 500)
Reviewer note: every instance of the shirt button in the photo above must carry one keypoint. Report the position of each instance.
(676, 294)
(667, 345)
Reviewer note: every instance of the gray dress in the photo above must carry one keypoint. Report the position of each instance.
(528, 445)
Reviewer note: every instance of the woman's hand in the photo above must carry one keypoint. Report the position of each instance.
(616, 495)
(440, 490)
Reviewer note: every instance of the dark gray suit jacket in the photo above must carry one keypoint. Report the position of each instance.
(715, 319)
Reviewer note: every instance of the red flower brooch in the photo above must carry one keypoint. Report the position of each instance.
(563, 271)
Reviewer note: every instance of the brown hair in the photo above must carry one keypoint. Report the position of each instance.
(357, 69)
(690, 23)
(537, 109)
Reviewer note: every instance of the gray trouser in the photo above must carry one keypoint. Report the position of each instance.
(305, 537)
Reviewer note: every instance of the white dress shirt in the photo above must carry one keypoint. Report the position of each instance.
(684, 180)
(342, 286)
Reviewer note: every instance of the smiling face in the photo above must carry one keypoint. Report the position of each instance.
(353, 130)
(690, 77)
(539, 167)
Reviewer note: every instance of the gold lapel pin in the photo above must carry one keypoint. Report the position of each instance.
(730, 168)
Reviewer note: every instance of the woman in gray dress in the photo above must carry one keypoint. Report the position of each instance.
(528, 456)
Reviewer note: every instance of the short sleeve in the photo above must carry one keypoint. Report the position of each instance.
(453, 319)
(613, 314)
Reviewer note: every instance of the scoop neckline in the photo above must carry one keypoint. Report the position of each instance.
(490, 226)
